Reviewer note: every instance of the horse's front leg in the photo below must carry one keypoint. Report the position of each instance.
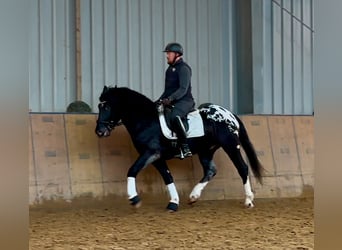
(168, 180)
(143, 160)
(209, 171)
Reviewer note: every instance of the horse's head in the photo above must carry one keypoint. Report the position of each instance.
(109, 115)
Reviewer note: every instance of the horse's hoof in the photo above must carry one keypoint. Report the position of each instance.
(138, 204)
(249, 205)
(135, 201)
(172, 207)
(192, 200)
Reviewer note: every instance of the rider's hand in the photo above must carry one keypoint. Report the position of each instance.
(166, 102)
(158, 102)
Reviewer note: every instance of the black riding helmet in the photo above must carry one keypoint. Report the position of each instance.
(174, 47)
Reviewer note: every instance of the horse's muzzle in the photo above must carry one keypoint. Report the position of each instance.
(102, 132)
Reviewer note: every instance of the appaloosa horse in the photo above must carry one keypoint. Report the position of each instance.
(140, 116)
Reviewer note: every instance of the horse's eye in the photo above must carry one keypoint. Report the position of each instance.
(103, 106)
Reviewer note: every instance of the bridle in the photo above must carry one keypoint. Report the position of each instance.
(109, 124)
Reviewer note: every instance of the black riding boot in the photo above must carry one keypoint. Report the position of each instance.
(181, 135)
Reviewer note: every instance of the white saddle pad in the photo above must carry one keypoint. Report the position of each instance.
(195, 126)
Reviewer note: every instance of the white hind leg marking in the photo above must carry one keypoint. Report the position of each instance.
(196, 191)
(249, 194)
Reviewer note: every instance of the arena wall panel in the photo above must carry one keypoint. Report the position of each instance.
(84, 159)
(33, 193)
(259, 134)
(269, 188)
(304, 132)
(289, 185)
(67, 160)
(283, 144)
(285, 152)
(50, 156)
(258, 131)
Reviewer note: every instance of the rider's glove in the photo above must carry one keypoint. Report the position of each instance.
(166, 102)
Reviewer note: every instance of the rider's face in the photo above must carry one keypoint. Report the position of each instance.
(170, 56)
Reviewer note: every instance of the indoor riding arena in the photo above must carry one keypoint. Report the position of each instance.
(78, 191)
(254, 58)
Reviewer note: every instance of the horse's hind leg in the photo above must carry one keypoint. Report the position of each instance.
(233, 150)
(209, 171)
(164, 171)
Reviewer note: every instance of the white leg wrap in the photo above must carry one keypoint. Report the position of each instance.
(173, 193)
(197, 190)
(131, 189)
(249, 194)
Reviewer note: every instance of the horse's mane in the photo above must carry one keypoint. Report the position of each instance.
(133, 100)
(129, 94)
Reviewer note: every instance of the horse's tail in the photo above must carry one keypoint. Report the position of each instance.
(256, 166)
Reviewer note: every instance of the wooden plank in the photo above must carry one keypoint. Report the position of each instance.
(309, 180)
(181, 169)
(225, 167)
(33, 192)
(258, 131)
(308, 188)
(304, 133)
(83, 148)
(149, 183)
(267, 190)
(50, 156)
(215, 190)
(234, 188)
(289, 186)
(284, 146)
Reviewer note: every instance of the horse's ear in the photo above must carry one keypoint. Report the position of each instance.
(105, 89)
(115, 86)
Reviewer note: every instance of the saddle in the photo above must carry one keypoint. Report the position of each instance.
(193, 125)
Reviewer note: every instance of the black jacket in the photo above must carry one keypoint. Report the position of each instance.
(178, 84)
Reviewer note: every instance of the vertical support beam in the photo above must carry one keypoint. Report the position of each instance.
(78, 52)
(244, 57)
(262, 48)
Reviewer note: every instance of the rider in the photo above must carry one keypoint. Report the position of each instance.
(177, 93)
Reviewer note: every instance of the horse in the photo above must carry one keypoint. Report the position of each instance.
(121, 105)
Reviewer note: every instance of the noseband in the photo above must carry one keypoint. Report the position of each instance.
(110, 125)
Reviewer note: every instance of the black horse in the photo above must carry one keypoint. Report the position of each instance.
(141, 119)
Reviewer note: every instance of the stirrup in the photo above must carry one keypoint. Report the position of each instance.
(184, 151)
(180, 155)
(187, 153)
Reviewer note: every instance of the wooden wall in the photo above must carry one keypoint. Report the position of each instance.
(67, 160)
